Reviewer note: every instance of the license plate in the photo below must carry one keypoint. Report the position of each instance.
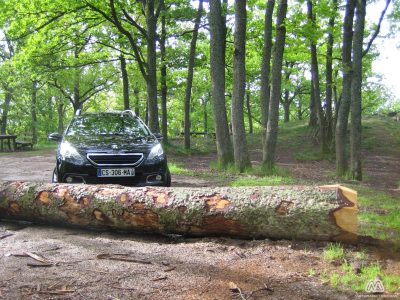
(126, 172)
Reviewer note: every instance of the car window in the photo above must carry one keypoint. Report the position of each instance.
(108, 124)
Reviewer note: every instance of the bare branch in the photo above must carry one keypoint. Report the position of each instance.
(378, 28)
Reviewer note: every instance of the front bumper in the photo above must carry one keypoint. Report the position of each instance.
(145, 174)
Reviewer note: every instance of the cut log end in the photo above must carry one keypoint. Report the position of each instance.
(345, 216)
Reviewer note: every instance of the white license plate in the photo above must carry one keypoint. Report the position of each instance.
(125, 172)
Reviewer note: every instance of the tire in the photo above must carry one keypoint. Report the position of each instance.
(54, 178)
(168, 178)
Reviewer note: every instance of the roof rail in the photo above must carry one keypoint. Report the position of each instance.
(128, 111)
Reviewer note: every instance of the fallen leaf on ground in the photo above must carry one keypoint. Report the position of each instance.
(37, 257)
(122, 257)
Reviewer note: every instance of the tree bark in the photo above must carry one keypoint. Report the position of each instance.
(189, 80)
(240, 151)
(125, 82)
(5, 109)
(315, 84)
(151, 22)
(137, 99)
(344, 107)
(217, 63)
(313, 122)
(286, 108)
(163, 78)
(317, 213)
(273, 114)
(356, 99)
(249, 114)
(286, 101)
(205, 113)
(329, 75)
(33, 111)
(265, 94)
(60, 112)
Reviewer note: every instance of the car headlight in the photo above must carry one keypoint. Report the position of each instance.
(70, 154)
(156, 153)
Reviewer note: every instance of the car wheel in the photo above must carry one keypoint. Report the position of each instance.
(54, 178)
(168, 178)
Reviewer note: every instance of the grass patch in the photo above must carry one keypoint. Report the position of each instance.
(347, 277)
(356, 279)
(254, 176)
(381, 134)
(262, 181)
(199, 145)
(313, 154)
(333, 252)
(379, 214)
(179, 169)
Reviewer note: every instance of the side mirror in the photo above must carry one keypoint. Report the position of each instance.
(55, 136)
(158, 136)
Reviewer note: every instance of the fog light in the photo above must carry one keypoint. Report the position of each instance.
(158, 177)
(69, 179)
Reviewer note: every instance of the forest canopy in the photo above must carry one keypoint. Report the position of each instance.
(186, 67)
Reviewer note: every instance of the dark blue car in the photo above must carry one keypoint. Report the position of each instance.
(110, 147)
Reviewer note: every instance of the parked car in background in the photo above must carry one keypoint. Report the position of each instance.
(110, 147)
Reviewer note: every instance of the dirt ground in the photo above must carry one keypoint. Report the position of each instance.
(84, 264)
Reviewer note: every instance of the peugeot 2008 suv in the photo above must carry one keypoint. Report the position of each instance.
(110, 147)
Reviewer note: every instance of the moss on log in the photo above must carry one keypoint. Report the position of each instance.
(318, 213)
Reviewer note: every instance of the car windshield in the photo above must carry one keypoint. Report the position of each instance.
(108, 124)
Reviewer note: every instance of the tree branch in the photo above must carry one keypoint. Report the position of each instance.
(378, 28)
(134, 23)
(48, 22)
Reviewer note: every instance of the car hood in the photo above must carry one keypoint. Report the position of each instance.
(120, 143)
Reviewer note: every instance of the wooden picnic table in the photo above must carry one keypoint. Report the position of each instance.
(8, 138)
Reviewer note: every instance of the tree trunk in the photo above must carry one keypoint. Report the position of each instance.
(151, 37)
(273, 115)
(60, 112)
(137, 99)
(125, 82)
(5, 109)
(355, 141)
(317, 213)
(344, 107)
(240, 152)
(286, 111)
(205, 114)
(315, 84)
(217, 63)
(265, 94)
(336, 103)
(249, 115)
(33, 111)
(286, 101)
(329, 75)
(189, 80)
(313, 111)
(76, 103)
(299, 111)
(163, 78)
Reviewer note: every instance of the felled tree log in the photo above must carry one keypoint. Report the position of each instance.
(318, 213)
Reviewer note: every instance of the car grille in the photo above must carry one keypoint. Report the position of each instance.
(121, 159)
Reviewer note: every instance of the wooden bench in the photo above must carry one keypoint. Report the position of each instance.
(23, 145)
